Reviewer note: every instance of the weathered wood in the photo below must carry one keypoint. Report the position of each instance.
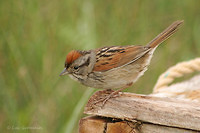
(152, 128)
(154, 110)
(94, 124)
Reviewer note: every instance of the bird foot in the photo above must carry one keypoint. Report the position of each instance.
(100, 98)
(113, 94)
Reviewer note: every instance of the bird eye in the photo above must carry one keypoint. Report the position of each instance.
(76, 67)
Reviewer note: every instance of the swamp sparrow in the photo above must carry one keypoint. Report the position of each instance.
(114, 67)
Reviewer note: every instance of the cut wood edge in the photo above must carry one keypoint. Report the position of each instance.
(96, 124)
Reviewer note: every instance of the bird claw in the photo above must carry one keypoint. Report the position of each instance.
(108, 95)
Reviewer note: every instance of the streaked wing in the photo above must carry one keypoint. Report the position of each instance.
(116, 56)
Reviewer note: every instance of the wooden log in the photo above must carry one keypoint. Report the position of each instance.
(95, 124)
(167, 112)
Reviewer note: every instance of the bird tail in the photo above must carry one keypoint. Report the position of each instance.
(165, 34)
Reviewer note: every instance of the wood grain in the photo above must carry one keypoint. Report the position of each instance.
(154, 110)
(95, 124)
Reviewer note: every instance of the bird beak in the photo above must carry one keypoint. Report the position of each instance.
(64, 72)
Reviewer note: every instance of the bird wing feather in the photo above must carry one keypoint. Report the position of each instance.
(112, 57)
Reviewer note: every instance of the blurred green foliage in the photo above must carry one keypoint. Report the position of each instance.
(36, 35)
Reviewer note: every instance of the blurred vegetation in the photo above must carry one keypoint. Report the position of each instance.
(36, 35)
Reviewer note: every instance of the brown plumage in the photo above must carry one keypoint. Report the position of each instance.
(116, 66)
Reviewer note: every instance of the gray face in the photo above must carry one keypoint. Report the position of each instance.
(79, 66)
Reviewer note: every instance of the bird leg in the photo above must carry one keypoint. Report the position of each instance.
(113, 94)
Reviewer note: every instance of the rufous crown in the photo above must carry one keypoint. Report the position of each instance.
(72, 56)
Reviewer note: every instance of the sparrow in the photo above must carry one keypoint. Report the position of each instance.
(114, 67)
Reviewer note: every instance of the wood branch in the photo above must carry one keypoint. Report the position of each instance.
(153, 110)
(95, 124)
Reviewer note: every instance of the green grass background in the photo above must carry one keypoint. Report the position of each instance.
(36, 35)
